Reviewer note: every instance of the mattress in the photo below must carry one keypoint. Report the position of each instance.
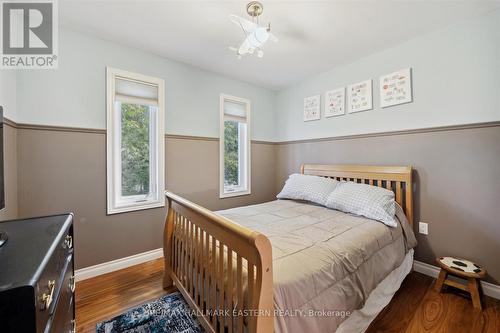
(325, 262)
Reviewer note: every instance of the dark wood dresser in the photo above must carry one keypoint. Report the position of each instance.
(37, 276)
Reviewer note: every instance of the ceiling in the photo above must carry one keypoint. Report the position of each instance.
(314, 35)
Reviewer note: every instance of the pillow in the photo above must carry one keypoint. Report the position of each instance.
(361, 199)
(310, 188)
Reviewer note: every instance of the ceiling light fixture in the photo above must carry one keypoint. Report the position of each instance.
(255, 35)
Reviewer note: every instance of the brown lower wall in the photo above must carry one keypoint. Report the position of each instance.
(63, 171)
(10, 173)
(192, 170)
(457, 178)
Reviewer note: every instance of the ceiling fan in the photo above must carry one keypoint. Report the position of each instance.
(255, 35)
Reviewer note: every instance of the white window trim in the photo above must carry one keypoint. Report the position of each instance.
(112, 149)
(222, 194)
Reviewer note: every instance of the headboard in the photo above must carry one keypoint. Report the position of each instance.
(394, 178)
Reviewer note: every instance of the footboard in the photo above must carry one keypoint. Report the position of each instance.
(223, 270)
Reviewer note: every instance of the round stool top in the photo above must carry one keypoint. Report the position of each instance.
(461, 267)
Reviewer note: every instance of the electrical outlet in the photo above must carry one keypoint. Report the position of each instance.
(423, 228)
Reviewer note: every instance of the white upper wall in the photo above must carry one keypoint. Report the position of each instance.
(456, 80)
(8, 94)
(74, 94)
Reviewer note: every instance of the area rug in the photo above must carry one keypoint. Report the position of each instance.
(169, 314)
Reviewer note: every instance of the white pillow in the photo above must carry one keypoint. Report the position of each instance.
(310, 188)
(376, 203)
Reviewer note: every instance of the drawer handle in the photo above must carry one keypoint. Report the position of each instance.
(48, 298)
(72, 284)
(73, 326)
(68, 241)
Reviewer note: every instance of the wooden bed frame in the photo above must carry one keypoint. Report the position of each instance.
(201, 248)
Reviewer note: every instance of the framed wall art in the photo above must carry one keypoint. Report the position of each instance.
(312, 106)
(395, 88)
(335, 102)
(360, 96)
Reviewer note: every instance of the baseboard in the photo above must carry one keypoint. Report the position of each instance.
(111, 266)
(489, 289)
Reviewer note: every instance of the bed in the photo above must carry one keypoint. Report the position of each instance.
(287, 266)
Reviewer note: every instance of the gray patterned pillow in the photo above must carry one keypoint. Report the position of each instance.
(310, 188)
(361, 199)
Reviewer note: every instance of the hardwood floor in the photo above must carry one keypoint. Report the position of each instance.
(109, 295)
(416, 307)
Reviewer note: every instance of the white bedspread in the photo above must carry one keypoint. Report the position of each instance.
(325, 262)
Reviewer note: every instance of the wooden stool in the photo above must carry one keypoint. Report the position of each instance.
(464, 269)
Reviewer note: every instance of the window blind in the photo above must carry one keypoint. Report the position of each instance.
(136, 92)
(235, 111)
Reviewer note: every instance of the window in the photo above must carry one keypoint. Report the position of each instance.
(135, 141)
(234, 146)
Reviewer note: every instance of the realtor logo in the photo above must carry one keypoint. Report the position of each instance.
(29, 34)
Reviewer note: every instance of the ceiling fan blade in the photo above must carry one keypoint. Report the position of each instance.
(273, 37)
(243, 23)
